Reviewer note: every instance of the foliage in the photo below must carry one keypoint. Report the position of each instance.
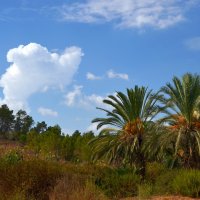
(148, 153)
(183, 119)
(34, 178)
(6, 120)
(187, 183)
(13, 157)
(118, 182)
(128, 124)
(51, 144)
(23, 123)
(76, 187)
(145, 191)
(154, 170)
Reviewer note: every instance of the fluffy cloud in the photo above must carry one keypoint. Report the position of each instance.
(35, 69)
(91, 76)
(193, 43)
(47, 112)
(93, 127)
(92, 101)
(71, 97)
(128, 13)
(112, 74)
(78, 98)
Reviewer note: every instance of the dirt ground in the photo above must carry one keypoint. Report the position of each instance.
(165, 198)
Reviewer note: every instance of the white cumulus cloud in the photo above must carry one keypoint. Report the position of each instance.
(71, 96)
(128, 13)
(112, 74)
(77, 98)
(35, 69)
(47, 112)
(92, 100)
(93, 127)
(91, 76)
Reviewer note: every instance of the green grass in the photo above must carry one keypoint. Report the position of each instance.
(187, 183)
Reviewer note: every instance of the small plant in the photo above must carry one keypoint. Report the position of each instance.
(35, 178)
(162, 184)
(145, 191)
(154, 170)
(13, 157)
(187, 183)
(117, 182)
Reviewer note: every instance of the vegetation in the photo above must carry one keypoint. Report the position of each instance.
(130, 120)
(148, 145)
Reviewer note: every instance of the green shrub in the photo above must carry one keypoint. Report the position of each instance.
(13, 157)
(22, 138)
(187, 183)
(154, 170)
(162, 185)
(118, 183)
(183, 182)
(145, 191)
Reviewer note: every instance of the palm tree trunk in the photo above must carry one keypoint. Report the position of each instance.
(142, 159)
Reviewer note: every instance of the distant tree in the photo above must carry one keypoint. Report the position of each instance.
(54, 130)
(34, 141)
(75, 144)
(85, 148)
(51, 142)
(76, 134)
(67, 150)
(6, 120)
(23, 122)
(40, 127)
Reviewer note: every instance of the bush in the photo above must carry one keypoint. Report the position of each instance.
(118, 183)
(154, 170)
(145, 191)
(187, 183)
(34, 178)
(89, 191)
(112, 182)
(75, 187)
(162, 185)
(12, 157)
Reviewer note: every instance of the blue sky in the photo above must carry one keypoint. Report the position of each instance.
(59, 59)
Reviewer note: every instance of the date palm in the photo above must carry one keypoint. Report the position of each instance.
(123, 129)
(183, 118)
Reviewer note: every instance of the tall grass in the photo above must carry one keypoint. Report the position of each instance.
(187, 183)
(33, 179)
(75, 187)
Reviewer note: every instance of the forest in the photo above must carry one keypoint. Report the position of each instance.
(148, 145)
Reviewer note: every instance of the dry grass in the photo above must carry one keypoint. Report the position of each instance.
(75, 187)
(7, 145)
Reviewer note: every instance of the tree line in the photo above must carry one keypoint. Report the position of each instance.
(44, 141)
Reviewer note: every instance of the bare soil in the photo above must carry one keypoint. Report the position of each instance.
(164, 198)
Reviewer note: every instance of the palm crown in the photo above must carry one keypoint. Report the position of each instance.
(126, 124)
(182, 117)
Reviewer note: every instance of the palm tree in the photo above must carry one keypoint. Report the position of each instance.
(183, 119)
(123, 130)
